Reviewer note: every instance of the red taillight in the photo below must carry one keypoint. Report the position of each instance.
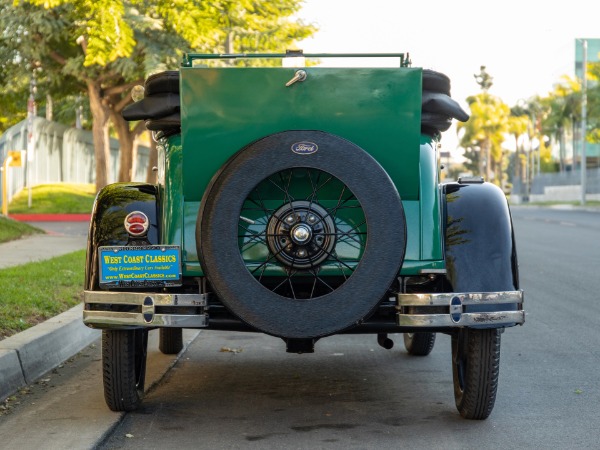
(136, 223)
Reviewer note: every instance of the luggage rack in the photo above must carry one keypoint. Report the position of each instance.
(189, 58)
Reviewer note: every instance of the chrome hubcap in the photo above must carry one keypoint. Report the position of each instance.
(301, 234)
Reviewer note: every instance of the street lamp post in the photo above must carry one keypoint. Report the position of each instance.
(583, 121)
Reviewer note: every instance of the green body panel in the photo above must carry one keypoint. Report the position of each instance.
(225, 109)
(423, 217)
(430, 213)
(171, 208)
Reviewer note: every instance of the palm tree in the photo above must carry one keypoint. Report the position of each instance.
(519, 125)
(483, 134)
(561, 112)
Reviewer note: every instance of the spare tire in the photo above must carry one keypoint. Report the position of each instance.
(301, 234)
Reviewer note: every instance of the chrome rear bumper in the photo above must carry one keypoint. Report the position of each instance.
(109, 309)
(474, 309)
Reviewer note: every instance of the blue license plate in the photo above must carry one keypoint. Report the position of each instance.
(140, 267)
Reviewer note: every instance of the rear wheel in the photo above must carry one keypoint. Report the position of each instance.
(124, 368)
(481, 256)
(419, 344)
(170, 340)
(475, 370)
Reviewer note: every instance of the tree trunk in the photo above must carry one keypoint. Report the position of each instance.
(100, 114)
(48, 107)
(126, 147)
(488, 161)
(500, 171)
(134, 156)
(485, 160)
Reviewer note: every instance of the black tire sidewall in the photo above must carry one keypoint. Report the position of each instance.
(217, 230)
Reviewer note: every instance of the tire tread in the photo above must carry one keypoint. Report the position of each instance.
(118, 370)
(481, 376)
(420, 344)
(170, 341)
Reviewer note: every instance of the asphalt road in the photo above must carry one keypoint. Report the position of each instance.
(353, 394)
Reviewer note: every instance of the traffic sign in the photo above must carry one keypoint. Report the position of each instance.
(16, 159)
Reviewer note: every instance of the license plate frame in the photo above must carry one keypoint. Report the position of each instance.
(148, 266)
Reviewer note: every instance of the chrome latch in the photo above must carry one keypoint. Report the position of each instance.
(300, 75)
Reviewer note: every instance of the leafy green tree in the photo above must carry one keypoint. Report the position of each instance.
(551, 119)
(519, 127)
(593, 105)
(21, 27)
(483, 134)
(13, 107)
(561, 111)
(531, 155)
(104, 47)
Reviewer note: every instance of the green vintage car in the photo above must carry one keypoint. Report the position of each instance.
(302, 202)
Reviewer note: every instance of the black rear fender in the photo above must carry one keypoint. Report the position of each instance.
(111, 206)
(480, 247)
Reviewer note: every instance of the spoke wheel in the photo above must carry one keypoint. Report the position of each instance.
(302, 249)
(124, 355)
(300, 234)
(475, 371)
(301, 246)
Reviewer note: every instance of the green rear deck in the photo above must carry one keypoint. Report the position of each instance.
(225, 109)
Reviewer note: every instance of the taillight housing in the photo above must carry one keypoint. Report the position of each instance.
(136, 224)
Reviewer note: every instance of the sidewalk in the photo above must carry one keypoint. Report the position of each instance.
(38, 247)
(28, 355)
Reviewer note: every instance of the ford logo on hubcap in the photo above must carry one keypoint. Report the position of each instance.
(305, 148)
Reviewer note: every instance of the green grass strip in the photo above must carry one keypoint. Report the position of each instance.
(12, 229)
(59, 198)
(33, 292)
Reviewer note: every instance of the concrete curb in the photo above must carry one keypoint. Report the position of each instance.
(28, 355)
